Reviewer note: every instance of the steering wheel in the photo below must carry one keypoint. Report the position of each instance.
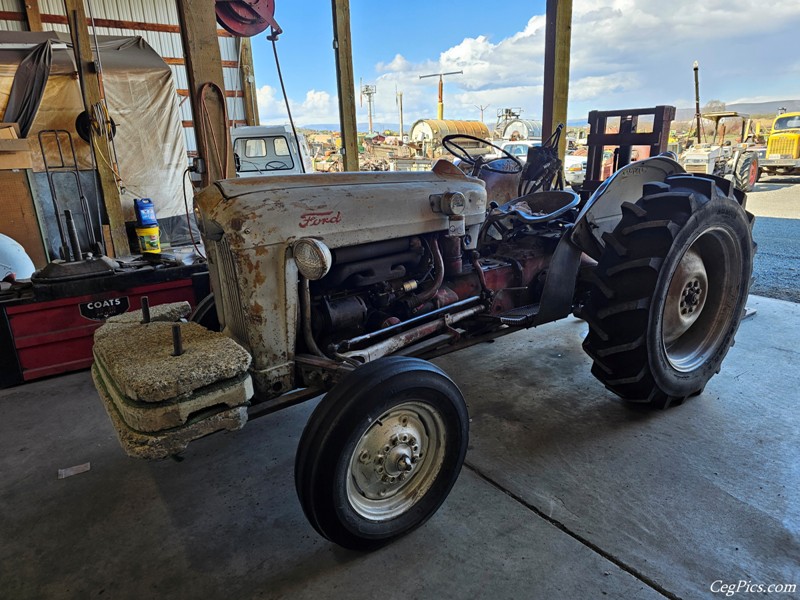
(274, 165)
(459, 152)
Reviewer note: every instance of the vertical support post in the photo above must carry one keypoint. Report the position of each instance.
(558, 34)
(345, 83)
(369, 110)
(204, 65)
(440, 104)
(248, 83)
(400, 108)
(87, 69)
(33, 15)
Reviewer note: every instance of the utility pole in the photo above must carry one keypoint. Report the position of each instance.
(369, 91)
(482, 108)
(399, 101)
(440, 105)
(697, 100)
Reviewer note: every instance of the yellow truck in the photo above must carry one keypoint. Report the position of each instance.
(783, 146)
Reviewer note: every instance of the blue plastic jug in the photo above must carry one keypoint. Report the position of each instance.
(145, 212)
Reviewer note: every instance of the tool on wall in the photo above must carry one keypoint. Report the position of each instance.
(75, 263)
(66, 163)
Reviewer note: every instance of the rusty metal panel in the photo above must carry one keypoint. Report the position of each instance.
(324, 206)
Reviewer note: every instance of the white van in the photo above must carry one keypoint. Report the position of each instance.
(269, 150)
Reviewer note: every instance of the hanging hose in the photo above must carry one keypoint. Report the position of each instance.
(305, 316)
(273, 38)
(438, 273)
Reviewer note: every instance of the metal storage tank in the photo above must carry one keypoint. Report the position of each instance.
(523, 129)
(427, 134)
(433, 130)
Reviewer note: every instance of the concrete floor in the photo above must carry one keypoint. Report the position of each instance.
(567, 492)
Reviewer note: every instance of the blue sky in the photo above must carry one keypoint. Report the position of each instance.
(625, 53)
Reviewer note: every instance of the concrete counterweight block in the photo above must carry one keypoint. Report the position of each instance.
(158, 402)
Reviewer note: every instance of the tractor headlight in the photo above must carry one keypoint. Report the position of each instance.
(313, 258)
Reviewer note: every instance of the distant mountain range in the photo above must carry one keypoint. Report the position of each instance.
(748, 108)
(682, 114)
(379, 126)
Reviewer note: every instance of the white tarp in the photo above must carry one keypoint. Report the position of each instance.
(141, 99)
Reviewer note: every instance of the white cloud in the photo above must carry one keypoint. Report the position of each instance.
(625, 54)
(317, 107)
(398, 63)
(266, 100)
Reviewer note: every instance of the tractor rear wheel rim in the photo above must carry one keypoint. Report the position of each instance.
(700, 300)
(396, 461)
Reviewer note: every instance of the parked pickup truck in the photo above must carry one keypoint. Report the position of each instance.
(269, 150)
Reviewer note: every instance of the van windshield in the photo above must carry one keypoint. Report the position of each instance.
(790, 122)
(261, 154)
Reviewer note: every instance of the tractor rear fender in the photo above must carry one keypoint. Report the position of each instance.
(603, 210)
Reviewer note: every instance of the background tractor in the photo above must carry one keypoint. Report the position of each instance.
(736, 160)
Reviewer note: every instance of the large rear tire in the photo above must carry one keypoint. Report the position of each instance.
(747, 172)
(381, 452)
(669, 290)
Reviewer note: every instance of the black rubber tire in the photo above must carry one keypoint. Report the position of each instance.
(629, 289)
(335, 428)
(747, 172)
(205, 313)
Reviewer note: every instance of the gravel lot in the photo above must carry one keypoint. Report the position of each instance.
(776, 204)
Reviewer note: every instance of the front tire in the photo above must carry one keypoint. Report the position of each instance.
(205, 313)
(381, 452)
(747, 172)
(669, 290)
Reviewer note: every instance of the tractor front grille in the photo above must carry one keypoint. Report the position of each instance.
(695, 168)
(232, 307)
(784, 145)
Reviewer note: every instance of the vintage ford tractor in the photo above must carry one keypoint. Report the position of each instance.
(347, 284)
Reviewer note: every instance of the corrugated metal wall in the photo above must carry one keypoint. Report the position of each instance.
(157, 22)
(9, 8)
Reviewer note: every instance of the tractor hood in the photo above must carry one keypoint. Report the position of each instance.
(342, 209)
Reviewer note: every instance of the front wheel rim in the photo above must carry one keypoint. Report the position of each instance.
(396, 461)
(701, 299)
(753, 174)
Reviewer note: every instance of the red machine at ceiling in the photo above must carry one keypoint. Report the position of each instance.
(246, 18)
